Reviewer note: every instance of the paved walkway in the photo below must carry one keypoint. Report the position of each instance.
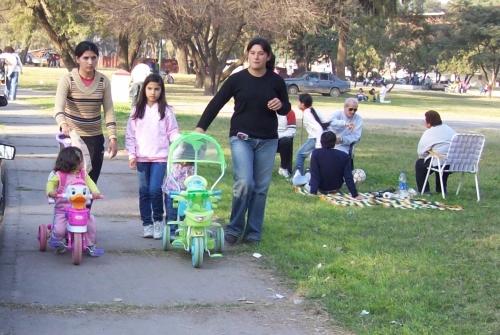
(135, 287)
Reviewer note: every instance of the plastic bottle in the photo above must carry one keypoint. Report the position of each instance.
(403, 185)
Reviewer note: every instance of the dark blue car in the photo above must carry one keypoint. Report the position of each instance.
(317, 82)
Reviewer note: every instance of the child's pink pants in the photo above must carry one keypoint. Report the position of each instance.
(59, 227)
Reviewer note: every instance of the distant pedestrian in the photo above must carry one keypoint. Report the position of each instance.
(483, 89)
(151, 128)
(137, 77)
(383, 94)
(361, 96)
(13, 68)
(373, 94)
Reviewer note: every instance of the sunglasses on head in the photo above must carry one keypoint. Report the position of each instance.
(352, 109)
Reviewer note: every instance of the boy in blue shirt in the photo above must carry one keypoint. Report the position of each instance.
(330, 168)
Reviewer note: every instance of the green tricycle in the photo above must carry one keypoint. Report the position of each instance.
(196, 231)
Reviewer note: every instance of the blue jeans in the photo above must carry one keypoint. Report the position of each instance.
(253, 162)
(11, 86)
(171, 214)
(150, 193)
(304, 152)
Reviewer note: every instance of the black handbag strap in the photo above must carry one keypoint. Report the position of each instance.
(316, 117)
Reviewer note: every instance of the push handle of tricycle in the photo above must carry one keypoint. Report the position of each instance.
(63, 139)
(88, 196)
(171, 194)
(52, 200)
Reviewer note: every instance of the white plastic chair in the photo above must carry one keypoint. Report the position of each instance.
(463, 156)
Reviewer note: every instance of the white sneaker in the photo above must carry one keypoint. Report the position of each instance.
(308, 176)
(299, 180)
(157, 230)
(297, 174)
(284, 173)
(148, 231)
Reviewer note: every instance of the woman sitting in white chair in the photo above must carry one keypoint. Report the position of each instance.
(437, 139)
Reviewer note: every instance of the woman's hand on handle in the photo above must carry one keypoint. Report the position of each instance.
(199, 130)
(65, 129)
(112, 147)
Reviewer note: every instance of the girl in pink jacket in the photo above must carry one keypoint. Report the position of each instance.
(150, 130)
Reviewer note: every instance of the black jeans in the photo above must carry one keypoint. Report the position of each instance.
(421, 167)
(95, 145)
(285, 149)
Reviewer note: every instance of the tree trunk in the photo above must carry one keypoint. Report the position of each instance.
(198, 66)
(200, 80)
(134, 53)
(492, 78)
(61, 42)
(24, 53)
(182, 59)
(468, 78)
(301, 66)
(123, 43)
(342, 49)
(208, 85)
(27, 41)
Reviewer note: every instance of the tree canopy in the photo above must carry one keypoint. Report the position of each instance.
(461, 37)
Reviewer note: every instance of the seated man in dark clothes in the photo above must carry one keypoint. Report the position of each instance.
(330, 168)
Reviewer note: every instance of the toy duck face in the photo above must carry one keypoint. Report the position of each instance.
(77, 195)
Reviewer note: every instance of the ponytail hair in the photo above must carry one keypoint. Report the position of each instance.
(270, 63)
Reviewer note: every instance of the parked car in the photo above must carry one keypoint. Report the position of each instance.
(317, 82)
(440, 85)
(43, 57)
(6, 152)
(402, 81)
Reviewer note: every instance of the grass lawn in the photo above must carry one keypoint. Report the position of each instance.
(415, 271)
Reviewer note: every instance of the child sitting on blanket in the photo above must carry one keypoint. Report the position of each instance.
(330, 168)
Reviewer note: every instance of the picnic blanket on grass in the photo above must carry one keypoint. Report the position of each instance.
(376, 199)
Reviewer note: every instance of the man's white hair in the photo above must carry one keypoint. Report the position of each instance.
(350, 101)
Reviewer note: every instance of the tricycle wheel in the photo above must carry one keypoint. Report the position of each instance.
(76, 253)
(197, 250)
(166, 238)
(42, 237)
(219, 239)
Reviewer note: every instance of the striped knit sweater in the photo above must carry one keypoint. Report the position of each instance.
(80, 107)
